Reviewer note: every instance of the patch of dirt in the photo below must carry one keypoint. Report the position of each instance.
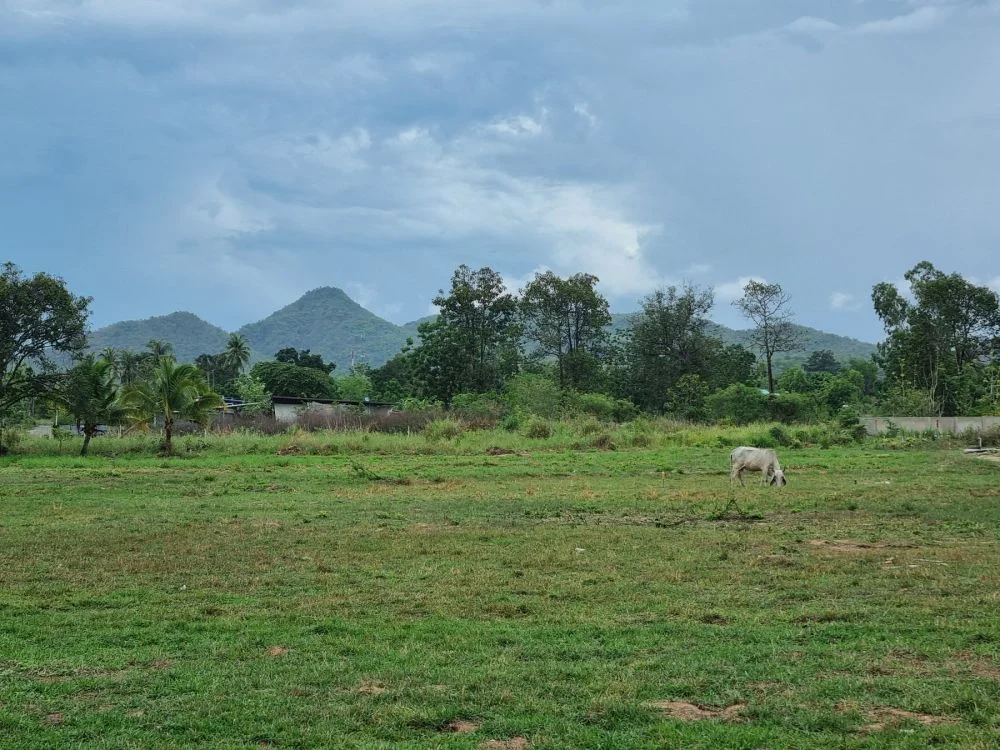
(780, 561)
(882, 718)
(844, 545)
(371, 688)
(461, 726)
(53, 720)
(277, 651)
(980, 666)
(494, 450)
(161, 664)
(684, 711)
(713, 619)
(289, 450)
(514, 743)
(988, 457)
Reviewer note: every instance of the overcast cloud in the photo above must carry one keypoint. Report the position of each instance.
(225, 156)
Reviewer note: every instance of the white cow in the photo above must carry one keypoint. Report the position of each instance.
(763, 460)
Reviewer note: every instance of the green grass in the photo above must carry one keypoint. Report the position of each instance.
(367, 596)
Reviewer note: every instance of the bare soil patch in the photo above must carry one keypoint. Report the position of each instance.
(881, 718)
(372, 688)
(277, 651)
(494, 450)
(847, 545)
(980, 666)
(684, 711)
(461, 726)
(53, 720)
(289, 450)
(514, 743)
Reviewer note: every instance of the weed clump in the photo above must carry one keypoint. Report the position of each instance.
(538, 429)
(443, 429)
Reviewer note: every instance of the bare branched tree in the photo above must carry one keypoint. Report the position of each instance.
(766, 306)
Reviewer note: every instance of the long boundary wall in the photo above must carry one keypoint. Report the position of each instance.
(951, 425)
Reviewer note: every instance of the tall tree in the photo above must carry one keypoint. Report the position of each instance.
(303, 358)
(766, 306)
(286, 379)
(566, 319)
(472, 346)
(939, 341)
(237, 352)
(159, 348)
(822, 361)
(670, 360)
(38, 316)
(173, 391)
(91, 396)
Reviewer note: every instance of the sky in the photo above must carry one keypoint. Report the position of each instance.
(226, 156)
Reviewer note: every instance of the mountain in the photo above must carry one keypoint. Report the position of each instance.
(189, 334)
(812, 340)
(326, 321)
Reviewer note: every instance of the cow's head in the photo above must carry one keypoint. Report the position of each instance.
(778, 480)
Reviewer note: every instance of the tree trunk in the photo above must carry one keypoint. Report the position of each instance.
(168, 430)
(87, 434)
(770, 377)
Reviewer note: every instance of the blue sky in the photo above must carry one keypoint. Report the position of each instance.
(226, 156)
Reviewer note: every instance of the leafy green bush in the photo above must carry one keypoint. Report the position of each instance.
(443, 429)
(600, 405)
(534, 394)
(538, 429)
(479, 406)
(740, 404)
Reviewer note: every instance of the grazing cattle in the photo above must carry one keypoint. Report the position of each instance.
(763, 460)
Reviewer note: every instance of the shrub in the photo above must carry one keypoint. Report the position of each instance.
(482, 407)
(742, 404)
(538, 429)
(443, 429)
(590, 427)
(604, 442)
(534, 394)
(641, 440)
(792, 407)
(600, 405)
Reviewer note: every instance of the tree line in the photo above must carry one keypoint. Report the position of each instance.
(550, 343)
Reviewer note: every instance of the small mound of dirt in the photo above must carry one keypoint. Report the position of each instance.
(514, 743)
(290, 450)
(277, 651)
(844, 545)
(497, 451)
(684, 711)
(371, 688)
(461, 726)
(882, 718)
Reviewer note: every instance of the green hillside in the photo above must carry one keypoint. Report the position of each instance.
(328, 322)
(189, 334)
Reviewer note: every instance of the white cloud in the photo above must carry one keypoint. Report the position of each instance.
(732, 290)
(696, 269)
(583, 110)
(518, 125)
(917, 21)
(844, 301)
(812, 25)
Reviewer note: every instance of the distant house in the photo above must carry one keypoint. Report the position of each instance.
(288, 408)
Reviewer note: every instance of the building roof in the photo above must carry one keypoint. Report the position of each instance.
(300, 401)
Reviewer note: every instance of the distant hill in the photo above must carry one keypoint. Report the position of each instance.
(328, 322)
(844, 348)
(189, 334)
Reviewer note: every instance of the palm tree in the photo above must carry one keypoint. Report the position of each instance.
(131, 365)
(110, 354)
(172, 391)
(91, 396)
(160, 348)
(237, 352)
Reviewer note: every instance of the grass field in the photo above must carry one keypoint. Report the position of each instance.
(545, 598)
